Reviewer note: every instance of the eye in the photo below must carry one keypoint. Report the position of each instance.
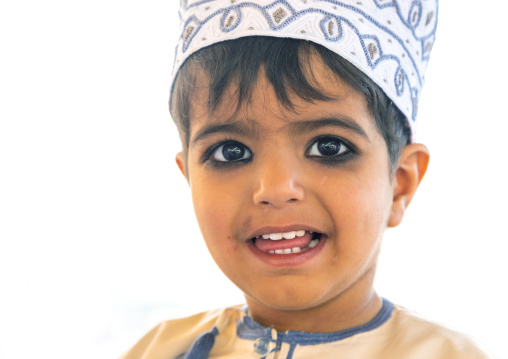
(327, 147)
(231, 152)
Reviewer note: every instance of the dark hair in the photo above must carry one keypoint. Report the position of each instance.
(286, 63)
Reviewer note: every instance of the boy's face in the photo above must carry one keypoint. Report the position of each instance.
(323, 168)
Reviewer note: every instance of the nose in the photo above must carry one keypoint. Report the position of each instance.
(278, 184)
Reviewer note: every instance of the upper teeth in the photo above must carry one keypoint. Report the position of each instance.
(285, 235)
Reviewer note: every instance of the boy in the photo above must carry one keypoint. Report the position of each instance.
(297, 123)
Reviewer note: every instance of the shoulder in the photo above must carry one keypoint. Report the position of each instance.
(412, 333)
(172, 338)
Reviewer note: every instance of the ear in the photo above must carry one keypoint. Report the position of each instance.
(182, 164)
(411, 168)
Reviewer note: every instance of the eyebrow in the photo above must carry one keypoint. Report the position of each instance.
(295, 128)
(343, 122)
(236, 128)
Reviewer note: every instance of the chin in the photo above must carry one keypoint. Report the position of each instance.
(291, 298)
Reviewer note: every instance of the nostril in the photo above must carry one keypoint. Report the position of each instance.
(292, 200)
(277, 189)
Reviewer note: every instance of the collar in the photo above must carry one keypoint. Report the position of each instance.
(248, 329)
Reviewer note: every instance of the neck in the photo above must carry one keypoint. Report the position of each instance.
(356, 306)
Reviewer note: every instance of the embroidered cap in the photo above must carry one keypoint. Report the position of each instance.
(389, 40)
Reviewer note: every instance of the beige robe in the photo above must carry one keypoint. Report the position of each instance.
(399, 334)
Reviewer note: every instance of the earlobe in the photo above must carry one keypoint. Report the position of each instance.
(411, 168)
(180, 161)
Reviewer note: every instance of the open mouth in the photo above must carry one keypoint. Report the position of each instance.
(288, 242)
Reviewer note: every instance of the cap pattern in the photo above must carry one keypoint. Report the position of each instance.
(389, 40)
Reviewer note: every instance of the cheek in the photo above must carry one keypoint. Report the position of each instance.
(215, 215)
(215, 204)
(360, 204)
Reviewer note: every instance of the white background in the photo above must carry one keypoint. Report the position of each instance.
(98, 241)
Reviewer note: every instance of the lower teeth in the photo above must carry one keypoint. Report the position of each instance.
(311, 245)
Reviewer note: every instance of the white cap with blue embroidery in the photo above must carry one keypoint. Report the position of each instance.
(389, 40)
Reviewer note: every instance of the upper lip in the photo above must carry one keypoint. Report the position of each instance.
(283, 229)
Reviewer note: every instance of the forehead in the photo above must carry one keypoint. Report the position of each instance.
(263, 110)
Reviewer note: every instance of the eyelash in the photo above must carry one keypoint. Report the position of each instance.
(351, 151)
(326, 160)
(209, 161)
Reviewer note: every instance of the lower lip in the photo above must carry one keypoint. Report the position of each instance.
(287, 260)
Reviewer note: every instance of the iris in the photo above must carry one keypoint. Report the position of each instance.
(329, 146)
(233, 151)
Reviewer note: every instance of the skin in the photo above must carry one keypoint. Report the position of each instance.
(351, 201)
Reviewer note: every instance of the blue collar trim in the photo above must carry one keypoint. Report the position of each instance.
(249, 329)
